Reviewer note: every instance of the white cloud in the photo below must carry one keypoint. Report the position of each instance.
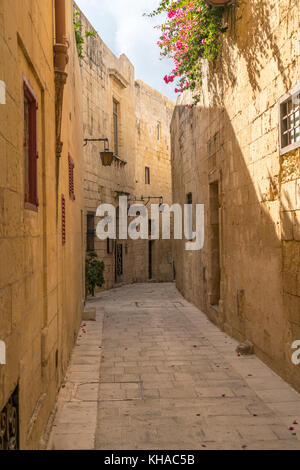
(123, 28)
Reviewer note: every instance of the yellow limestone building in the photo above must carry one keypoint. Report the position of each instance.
(237, 152)
(135, 119)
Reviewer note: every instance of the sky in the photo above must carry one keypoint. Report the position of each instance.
(124, 30)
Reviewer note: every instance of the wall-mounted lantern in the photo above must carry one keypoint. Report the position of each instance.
(107, 156)
(219, 3)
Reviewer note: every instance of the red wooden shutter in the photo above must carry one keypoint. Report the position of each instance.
(63, 219)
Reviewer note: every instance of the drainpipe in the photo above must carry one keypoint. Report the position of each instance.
(61, 59)
(60, 21)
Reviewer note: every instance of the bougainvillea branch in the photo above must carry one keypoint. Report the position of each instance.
(191, 32)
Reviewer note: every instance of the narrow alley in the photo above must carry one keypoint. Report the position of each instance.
(153, 373)
(150, 226)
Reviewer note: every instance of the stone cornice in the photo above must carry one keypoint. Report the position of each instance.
(113, 73)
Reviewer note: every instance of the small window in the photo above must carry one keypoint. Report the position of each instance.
(147, 175)
(30, 146)
(158, 131)
(189, 198)
(63, 219)
(90, 232)
(71, 178)
(290, 121)
(116, 126)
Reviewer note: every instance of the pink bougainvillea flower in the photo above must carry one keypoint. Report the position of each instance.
(295, 422)
(184, 23)
(198, 414)
(203, 445)
(250, 375)
(239, 355)
(195, 346)
(291, 428)
(223, 395)
(254, 414)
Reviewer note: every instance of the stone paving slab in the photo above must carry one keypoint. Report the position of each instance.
(153, 373)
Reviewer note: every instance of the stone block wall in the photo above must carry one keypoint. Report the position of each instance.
(153, 150)
(107, 78)
(226, 152)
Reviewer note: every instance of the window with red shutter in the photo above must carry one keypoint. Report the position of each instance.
(30, 146)
(63, 219)
(71, 178)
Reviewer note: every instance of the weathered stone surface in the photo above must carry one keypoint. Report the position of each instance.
(245, 348)
(108, 79)
(89, 314)
(41, 284)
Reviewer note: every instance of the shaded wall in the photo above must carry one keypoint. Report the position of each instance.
(107, 79)
(41, 283)
(226, 153)
(154, 152)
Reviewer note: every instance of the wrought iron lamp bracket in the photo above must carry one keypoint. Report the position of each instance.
(106, 142)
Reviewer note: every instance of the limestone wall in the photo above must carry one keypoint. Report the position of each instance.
(107, 79)
(41, 282)
(226, 153)
(154, 152)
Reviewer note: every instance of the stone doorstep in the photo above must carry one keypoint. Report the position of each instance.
(89, 314)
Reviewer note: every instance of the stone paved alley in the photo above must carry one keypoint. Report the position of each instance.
(169, 379)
